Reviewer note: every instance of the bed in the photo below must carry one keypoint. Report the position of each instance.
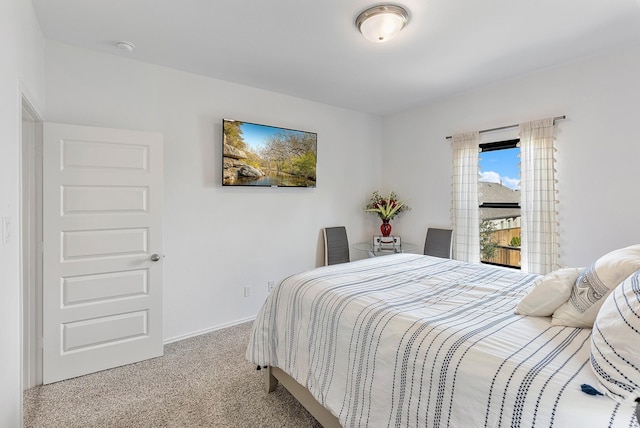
(408, 340)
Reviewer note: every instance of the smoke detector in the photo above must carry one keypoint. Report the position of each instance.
(125, 46)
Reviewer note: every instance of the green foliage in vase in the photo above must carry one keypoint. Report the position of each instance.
(386, 208)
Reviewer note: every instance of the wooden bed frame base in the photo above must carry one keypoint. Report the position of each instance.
(273, 375)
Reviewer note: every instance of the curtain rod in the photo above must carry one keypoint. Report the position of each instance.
(499, 128)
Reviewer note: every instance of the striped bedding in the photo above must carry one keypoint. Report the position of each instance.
(408, 340)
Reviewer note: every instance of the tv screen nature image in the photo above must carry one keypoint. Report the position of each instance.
(262, 155)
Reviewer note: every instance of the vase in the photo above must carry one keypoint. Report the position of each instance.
(385, 228)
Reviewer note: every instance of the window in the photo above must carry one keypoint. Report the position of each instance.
(539, 233)
(499, 197)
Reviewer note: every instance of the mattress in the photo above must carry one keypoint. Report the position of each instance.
(408, 340)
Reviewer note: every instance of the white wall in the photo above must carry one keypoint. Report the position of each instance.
(597, 158)
(22, 70)
(218, 240)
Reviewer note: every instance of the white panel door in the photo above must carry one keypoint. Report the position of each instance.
(102, 249)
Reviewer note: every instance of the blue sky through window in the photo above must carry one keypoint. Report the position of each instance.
(501, 166)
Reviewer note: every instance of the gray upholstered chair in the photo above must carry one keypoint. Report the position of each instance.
(336, 245)
(438, 243)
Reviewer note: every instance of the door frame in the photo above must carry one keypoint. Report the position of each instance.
(30, 232)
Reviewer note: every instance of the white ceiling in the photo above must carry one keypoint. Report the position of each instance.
(311, 49)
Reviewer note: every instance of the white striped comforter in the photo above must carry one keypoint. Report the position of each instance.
(414, 341)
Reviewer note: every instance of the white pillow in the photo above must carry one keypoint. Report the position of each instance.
(615, 341)
(594, 285)
(548, 293)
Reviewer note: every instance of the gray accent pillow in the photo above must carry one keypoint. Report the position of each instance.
(587, 290)
(594, 285)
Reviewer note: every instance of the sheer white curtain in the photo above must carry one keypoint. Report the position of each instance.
(464, 195)
(539, 250)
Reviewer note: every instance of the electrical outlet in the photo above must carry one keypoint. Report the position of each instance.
(270, 285)
(247, 291)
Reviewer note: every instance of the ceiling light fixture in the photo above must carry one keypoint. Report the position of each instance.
(125, 46)
(382, 23)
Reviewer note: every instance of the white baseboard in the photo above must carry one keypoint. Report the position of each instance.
(208, 330)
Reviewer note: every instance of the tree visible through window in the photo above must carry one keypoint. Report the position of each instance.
(499, 196)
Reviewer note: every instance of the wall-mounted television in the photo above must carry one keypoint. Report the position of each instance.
(267, 156)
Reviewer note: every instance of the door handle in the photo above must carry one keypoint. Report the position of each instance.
(155, 257)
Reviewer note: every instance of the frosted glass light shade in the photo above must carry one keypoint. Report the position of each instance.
(382, 23)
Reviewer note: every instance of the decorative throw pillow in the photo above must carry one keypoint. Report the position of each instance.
(615, 341)
(548, 293)
(594, 285)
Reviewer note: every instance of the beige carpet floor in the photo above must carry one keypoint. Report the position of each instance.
(203, 381)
